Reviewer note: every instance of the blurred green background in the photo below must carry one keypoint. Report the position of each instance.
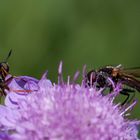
(92, 32)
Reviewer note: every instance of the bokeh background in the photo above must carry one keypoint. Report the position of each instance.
(91, 32)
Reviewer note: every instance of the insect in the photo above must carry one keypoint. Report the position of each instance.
(4, 71)
(129, 77)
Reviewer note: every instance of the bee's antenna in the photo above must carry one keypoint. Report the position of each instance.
(9, 54)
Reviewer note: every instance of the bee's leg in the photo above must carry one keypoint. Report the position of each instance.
(9, 80)
(132, 97)
(110, 88)
(126, 93)
(5, 85)
(1, 94)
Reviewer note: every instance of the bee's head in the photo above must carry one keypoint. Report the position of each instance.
(4, 67)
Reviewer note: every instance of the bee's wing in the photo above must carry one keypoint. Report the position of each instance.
(130, 77)
(131, 80)
(134, 72)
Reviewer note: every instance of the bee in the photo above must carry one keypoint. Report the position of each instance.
(4, 71)
(5, 81)
(129, 77)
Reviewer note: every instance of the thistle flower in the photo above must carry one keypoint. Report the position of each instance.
(64, 111)
(4, 136)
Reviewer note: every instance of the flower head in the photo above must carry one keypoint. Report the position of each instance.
(66, 112)
(5, 136)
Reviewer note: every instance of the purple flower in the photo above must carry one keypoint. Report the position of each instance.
(65, 111)
(21, 85)
(4, 136)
